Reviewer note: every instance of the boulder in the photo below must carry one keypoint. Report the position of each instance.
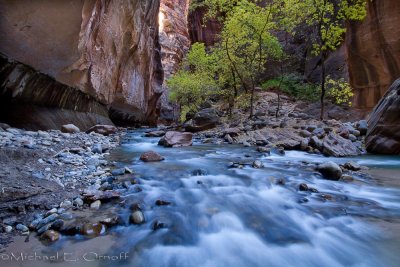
(383, 136)
(337, 146)
(70, 128)
(151, 156)
(203, 120)
(232, 131)
(176, 139)
(362, 126)
(4, 126)
(330, 170)
(154, 134)
(103, 129)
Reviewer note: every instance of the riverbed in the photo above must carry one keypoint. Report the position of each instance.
(221, 216)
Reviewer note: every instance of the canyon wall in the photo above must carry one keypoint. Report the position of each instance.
(206, 32)
(373, 52)
(175, 42)
(108, 50)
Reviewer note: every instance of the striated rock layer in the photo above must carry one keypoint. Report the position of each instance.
(37, 101)
(106, 49)
(175, 42)
(383, 136)
(373, 52)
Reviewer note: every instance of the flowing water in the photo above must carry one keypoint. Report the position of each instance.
(223, 216)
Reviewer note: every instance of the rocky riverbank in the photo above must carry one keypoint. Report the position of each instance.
(45, 174)
(295, 128)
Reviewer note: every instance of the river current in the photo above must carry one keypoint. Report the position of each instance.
(221, 216)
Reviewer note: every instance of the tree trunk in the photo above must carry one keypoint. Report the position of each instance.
(252, 100)
(322, 86)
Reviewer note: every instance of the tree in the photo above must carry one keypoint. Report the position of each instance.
(194, 83)
(327, 18)
(247, 40)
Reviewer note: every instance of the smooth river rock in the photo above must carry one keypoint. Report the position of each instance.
(176, 139)
(151, 156)
(330, 170)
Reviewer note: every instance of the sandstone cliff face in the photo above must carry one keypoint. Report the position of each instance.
(373, 52)
(106, 49)
(383, 135)
(37, 101)
(204, 32)
(174, 41)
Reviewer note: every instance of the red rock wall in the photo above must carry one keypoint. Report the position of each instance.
(203, 31)
(373, 52)
(175, 42)
(106, 48)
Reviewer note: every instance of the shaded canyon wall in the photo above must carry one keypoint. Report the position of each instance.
(175, 43)
(373, 52)
(106, 50)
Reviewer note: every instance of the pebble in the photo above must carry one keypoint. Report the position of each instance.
(137, 217)
(78, 202)
(160, 202)
(95, 205)
(50, 236)
(303, 187)
(8, 229)
(53, 210)
(66, 204)
(93, 229)
(46, 220)
(117, 172)
(21, 227)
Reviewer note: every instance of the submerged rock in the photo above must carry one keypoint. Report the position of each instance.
(303, 187)
(93, 229)
(137, 217)
(151, 156)
(257, 164)
(50, 236)
(352, 166)
(176, 139)
(330, 170)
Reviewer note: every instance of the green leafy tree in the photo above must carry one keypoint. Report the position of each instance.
(327, 18)
(194, 83)
(339, 91)
(248, 41)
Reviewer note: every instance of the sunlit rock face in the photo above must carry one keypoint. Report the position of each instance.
(373, 52)
(106, 49)
(174, 41)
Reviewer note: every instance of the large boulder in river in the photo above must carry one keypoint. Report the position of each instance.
(383, 136)
(330, 170)
(103, 129)
(176, 139)
(203, 120)
(337, 146)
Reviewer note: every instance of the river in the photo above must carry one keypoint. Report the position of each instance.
(222, 216)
